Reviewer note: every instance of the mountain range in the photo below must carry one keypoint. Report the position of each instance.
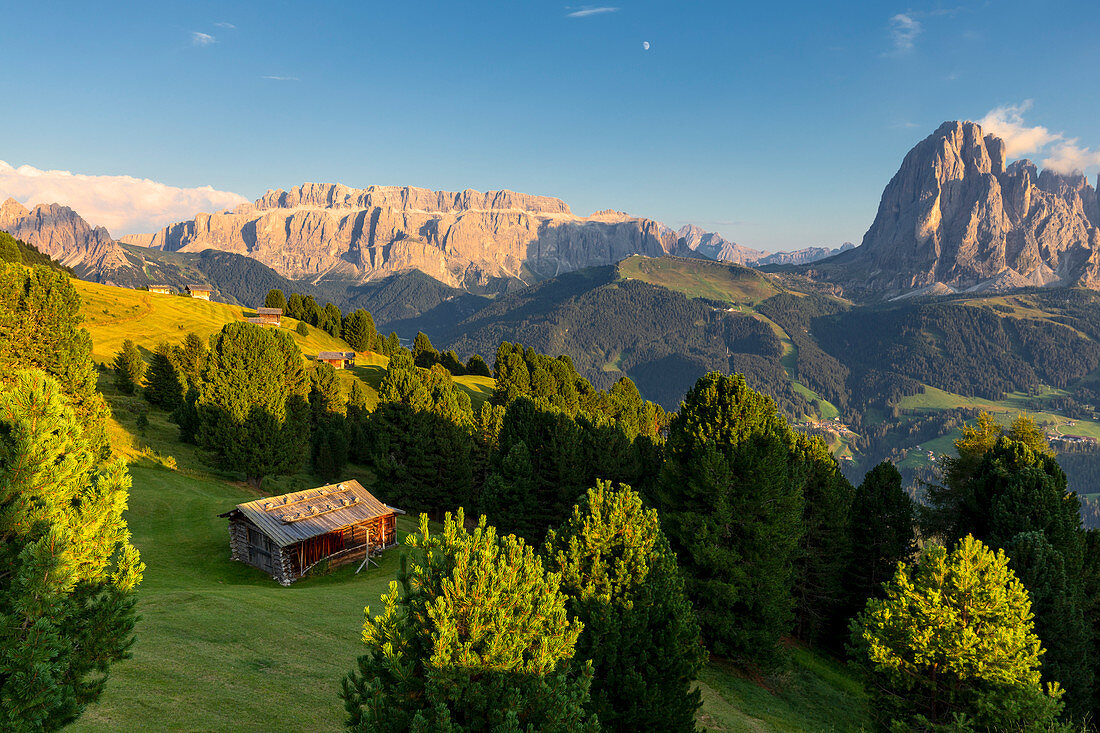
(957, 216)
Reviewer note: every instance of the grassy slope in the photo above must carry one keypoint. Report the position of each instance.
(733, 284)
(113, 315)
(221, 647)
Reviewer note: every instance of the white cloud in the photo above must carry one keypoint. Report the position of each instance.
(1068, 157)
(1063, 155)
(202, 39)
(281, 78)
(904, 30)
(123, 204)
(587, 11)
(1007, 123)
(223, 24)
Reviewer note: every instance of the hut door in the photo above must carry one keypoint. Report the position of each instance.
(259, 551)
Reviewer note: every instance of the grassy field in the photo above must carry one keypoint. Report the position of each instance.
(113, 315)
(733, 284)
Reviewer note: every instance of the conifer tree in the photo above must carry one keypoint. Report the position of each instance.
(420, 438)
(730, 499)
(360, 331)
(476, 366)
(68, 568)
(164, 388)
(329, 429)
(294, 307)
(825, 550)
(474, 636)
(640, 632)
(424, 354)
(275, 299)
(953, 637)
(331, 320)
(190, 360)
(129, 368)
(251, 404)
(40, 329)
(882, 534)
(9, 250)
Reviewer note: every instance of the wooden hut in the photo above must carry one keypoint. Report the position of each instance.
(339, 359)
(287, 535)
(269, 316)
(160, 289)
(199, 291)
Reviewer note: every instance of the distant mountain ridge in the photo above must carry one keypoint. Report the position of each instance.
(956, 217)
(465, 239)
(714, 246)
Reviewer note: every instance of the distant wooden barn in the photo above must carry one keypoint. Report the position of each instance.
(287, 535)
(160, 289)
(267, 317)
(339, 359)
(199, 291)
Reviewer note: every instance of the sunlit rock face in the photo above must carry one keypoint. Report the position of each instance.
(463, 239)
(61, 233)
(956, 214)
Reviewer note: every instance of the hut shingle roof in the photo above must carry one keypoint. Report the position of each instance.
(336, 355)
(291, 518)
(269, 311)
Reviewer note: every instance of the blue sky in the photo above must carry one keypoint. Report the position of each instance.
(777, 125)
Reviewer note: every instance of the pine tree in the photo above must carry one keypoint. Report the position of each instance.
(190, 360)
(69, 570)
(424, 354)
(360, 331)
(294, 308)
(954, 636)
(476, 366)
(329, 428)
(474, 636)
(391, 344)
(164, 388)
(251, 404)
(420, 438)
(129, 368)
(825, 550)
(9, 250)
(331, 320)
(882, 534)
(275, 299)
(730, 499)
(640, 632)
(512, 376)
(40, 329)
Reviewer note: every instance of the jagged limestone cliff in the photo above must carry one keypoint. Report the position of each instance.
(463, 239)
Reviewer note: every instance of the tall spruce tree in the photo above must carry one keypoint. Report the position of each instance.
(360, 331)
(882, 534)
(164, 388)
(640, 632)
(474, 636)
(424, 354)
(825, 551)
(68, 568)
(329, 428)
(275, 299)
(40, 329)
(251, 404)
(1016, 490)
(730, 499)
(129, 368)
(420, 438)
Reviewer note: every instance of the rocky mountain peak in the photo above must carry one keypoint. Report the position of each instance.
(956, 214)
